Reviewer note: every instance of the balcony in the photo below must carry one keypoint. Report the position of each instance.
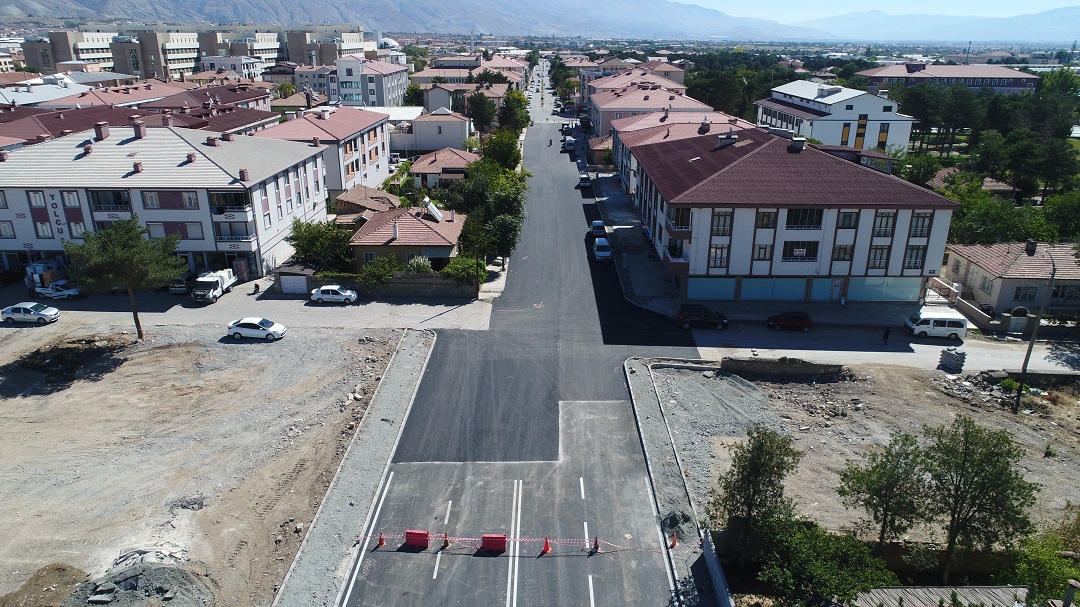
(237, 243)
(126, 208)
(236, 214)
(675, 262)
(676, 232)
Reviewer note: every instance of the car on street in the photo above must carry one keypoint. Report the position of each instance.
(602, 250)
(790, 320)
(60, 289)
(334, 294)
(583, 180)
(691, 315)
(30, 311)
(257, 328)
(598, 229)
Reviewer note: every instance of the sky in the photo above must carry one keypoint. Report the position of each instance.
(790, 11)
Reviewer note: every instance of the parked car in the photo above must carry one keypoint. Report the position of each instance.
(182, 285)
(258, 328)
(602, 250)
(598, 229)
(30, 311)
(790, 320)
(583, 180)
(60, 289)
(698, 315)
(334, 293)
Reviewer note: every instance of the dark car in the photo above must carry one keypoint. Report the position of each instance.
(790, 320)
(698, 315)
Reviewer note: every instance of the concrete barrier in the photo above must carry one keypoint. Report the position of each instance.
(777, 366)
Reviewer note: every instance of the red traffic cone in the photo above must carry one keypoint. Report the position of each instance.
(674, 539)
(381, 543)
(547, 546)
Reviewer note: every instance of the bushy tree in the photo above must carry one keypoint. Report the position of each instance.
(920, 168)
(514, 113)
(975, 488)
(466, 269)
(491, 76)
(503, 232)
(414, 95)
(481, 110)
(378, 271)
(320, 245)
(1063, 212)
(284, 89)
(984, 218)
(502, 148)
(1036, 562)
(122, 255)
(890, 486)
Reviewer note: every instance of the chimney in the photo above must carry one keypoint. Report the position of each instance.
(191, 157)
(1030, 246)
(797, 144)
(212, 141)
(4, 155)
(87, 149)
(395, 231)
(227, 137)
(41, 138)
(1070, 592)
(101, 131)
(136, 167)
(914, 67)
(60, 116)
(314, 142)
(140, 129)
(453, 215)
(324, 114)
(166, 119)
(244, 175)
(65, 132)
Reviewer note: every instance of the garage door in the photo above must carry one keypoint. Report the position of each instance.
(294, 284)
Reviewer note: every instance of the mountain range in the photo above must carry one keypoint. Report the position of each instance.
(627, 19)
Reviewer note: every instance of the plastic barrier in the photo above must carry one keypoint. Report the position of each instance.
(492, 542)
(417, 539)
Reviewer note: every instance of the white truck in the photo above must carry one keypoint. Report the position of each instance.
(58, 290)
(209, 286)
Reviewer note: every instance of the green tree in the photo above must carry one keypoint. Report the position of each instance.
(514, 113)
(920, 168)
(123, 255)
(889, 487)
(414, 95)
(808, 565)
(491, 76)
(1056, 163)
(285, 89)
(470, 143)
(503, 232)
(481, 110)
(1036, 562)
(975, 488)
(502, 148)
(1063, 212)
(320, 245)
(990, 154)
(751, 492)
(378, 271)
(465, 269)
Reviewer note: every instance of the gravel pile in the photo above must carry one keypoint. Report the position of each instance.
(144, 584)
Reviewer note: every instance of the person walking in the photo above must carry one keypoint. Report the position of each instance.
(885, 337)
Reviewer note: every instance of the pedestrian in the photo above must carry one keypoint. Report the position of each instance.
(885, 337)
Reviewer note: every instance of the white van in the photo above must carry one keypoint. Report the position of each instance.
(568, 144)
(937, 321)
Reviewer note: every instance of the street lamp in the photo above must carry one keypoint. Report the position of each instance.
(1035, 331)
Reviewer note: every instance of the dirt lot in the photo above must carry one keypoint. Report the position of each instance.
(205, 455)
(840, 421)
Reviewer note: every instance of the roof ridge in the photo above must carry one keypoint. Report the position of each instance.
(172, 130)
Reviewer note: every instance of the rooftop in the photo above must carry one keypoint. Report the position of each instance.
(135, 94)
(328, 124)
(416, 227)
(634, 78)
(821, 93)
(1010, 259)
(944, 71)
(438, 161)
(647, 97)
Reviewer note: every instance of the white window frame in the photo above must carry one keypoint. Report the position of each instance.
(70, 199)
(36, 198)
(3, 200)
(7, 229)
(47, 232)
(150, 200)
(190, 199)
(76, 228)
(198, 226)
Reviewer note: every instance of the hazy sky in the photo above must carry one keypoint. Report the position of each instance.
(788, 11)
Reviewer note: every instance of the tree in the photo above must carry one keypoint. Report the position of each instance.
(1037, 563)
(1056, 163)
(491, 76)
(122, 255)
(751, 492)
(414, 95)
(990, 154)
(481, 110)
(974, 487)
(320, 245)
(285, 89)
(514, 113)
(502, 148)
(920, 168)
(503, 232)
(889, 487)
(470, 143)
(1063, 212)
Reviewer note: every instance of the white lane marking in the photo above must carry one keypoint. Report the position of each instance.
(592, 599)
(511, 579)
(364, 549)
(438, 557)
(581, 481)
(586, 523)
(516, 546)
(446, 521)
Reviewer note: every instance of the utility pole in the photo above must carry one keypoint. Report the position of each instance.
(1035, 331)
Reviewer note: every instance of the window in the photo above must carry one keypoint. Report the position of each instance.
(849, 107)
(150, 200)
(847, 220)
(766, 219)
(914, 256)
(884, 221)
(800, 250)
(371, 92)
(879, 257)
(43, 229)
(70, 198)
(3, 200)
(157, 230)
(986, 285)
(1026, 293)
(842, 252)
(920, 224)
(803, 219)
(845, 134)
(887, 108)
(266, 219)
(7, 230)
(721, 223)
(718, 256)
(956, 266)
(37, 198)
(1066, 292)
(762, 252)
(190, 199)
(194, 231)
(440, 129)
(369, 256)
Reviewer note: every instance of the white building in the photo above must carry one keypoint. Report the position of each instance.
(250, 68)
(232, 199)
(835, 115)
(440, 129)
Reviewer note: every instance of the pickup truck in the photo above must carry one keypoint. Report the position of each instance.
(209, 286)
(58, 290)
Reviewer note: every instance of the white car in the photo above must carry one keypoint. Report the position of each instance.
(601, 250)
(30, 311)
(335, 293)
(259, 328)
(58, 290)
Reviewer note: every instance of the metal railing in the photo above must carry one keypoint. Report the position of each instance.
(245, 238)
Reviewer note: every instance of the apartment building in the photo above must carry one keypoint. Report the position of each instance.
(44, 52)
(323, 48)
(362, 82)
(248, 68)
(748, 215)
(835, 115)
(231, 199)
(156, 54)
(975, 77)
(320, 79)
(606, 106)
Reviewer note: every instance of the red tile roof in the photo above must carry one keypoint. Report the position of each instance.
(9, 113)
(415, 226)
(382, 67)
(763, 170)
(636, 97)
(117, 95)
(651, 119)
(940, 181)
(1010, 259)
(220, 95)
(438, 161)
(946, 71)
(363, 197)
(633, 77)
(672, 130)
(340, 124)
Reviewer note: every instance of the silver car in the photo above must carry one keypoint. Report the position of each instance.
(30, 311)
(258, 328)
(334, 293)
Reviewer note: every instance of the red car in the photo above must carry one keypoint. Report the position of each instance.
(790, 320)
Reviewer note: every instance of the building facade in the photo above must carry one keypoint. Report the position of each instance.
(975, 77)
(249, 68)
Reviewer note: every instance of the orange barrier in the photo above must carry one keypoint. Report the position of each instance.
(417, 539)
(493, 542)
